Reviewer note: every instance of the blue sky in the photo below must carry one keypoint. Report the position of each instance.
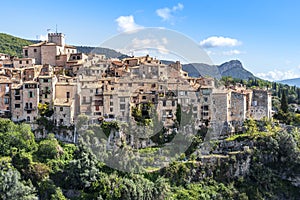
(263, 34)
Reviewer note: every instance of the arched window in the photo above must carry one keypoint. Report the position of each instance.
(28, 118)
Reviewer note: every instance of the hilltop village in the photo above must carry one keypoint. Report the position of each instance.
(55, 81)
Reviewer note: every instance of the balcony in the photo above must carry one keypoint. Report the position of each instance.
(46, 91)
(98, 103)
(169, 115)
(27, 108)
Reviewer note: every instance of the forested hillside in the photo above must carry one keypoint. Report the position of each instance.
(12, 45)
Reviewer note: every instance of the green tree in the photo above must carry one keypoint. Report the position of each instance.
(82, 171)
(11, 185)
(49, 149)
(284, 102)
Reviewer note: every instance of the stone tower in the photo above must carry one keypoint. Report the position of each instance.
(57, 38)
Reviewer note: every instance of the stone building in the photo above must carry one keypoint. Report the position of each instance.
(53, 52)
(65, 102)
(47, 81)
(5, 97)
(17, 103)
(23, 62)
(30, 100)
(261, 105)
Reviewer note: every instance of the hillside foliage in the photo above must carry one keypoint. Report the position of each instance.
(49, 169)
(12, 45)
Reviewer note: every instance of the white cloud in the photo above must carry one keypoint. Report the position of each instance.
(219, 41)
(127, 23)
(157, 44)
(232, 52)
(277, 75)
(167, 13)
(42, 37)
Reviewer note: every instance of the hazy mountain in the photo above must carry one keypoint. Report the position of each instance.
(291, 82)
(233, 68)
(201, 69)
(109, 53)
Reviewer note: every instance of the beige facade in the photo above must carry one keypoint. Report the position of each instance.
(23, 62)
(17, 103)
(65, 101)
(30, 100)
(47, 82)
(5, 97)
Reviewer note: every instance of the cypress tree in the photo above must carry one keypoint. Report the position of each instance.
(284, 102)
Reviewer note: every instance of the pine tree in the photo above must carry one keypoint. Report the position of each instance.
(284, 102)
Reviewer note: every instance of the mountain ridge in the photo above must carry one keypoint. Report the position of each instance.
(291, 82)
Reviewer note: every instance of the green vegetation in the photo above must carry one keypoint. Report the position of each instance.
(12, 45)
(49, 169)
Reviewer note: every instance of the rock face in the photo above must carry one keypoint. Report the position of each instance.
(233, 68)
(200, 69)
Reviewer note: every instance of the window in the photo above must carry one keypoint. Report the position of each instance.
(20, 61)
(205, 108)
(17, 98)
(61, 108)
(91, 99)
(34, 50)
(61, 121)
(17, 92)
(97, 108)
(173, 103)
(122, 106)
(17, 106)
(27, 62)
(122, 99)
(129, 84)
(164, 103)
(46, 96)
(205, 99)
(30, 105)
(111, 109)
(26, 52)
(68, 95)
(144, 97)
(28, 118)
(111, 103)
(30, 94)
(45, 80)
(111, 97)
(84, 99)
(6, 100)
